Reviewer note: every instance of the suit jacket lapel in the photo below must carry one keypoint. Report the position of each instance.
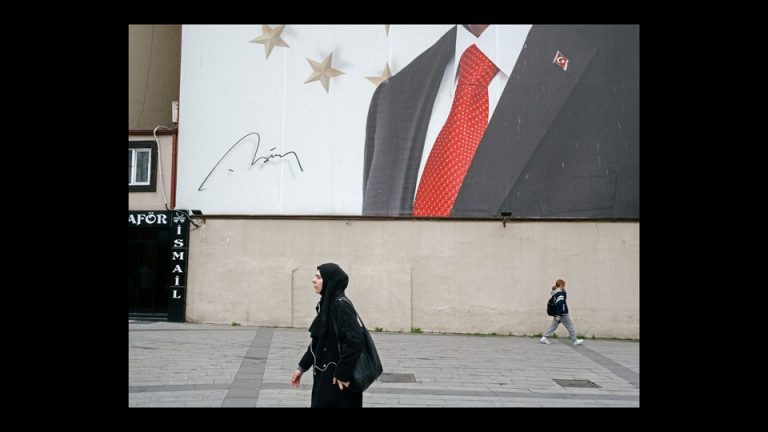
(534, 94)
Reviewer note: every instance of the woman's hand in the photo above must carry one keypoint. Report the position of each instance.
(342, 384)
(296, 378)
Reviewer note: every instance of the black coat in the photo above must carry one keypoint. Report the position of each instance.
(336, 343)
(327, 362)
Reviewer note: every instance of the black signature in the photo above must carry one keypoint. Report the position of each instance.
(254, 160)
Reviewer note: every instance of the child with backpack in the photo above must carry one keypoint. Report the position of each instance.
(559, 314)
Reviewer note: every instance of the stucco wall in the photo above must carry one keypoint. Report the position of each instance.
(440, 276)
(154, 62)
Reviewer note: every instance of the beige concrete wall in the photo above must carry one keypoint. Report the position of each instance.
(154, 200)
(440, 276)
(154, 63)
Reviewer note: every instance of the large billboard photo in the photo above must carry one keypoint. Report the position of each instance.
(537, 121)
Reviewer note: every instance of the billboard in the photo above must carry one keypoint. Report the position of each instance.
(407, 120)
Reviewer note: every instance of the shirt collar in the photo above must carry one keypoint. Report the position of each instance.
(500, 43)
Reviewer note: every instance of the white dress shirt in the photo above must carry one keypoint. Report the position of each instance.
(502, 45)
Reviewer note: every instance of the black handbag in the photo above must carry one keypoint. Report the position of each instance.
(368, 367)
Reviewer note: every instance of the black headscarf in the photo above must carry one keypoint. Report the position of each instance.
(334, 283)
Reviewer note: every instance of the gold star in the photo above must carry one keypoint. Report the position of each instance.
(270, 37)
(323, 72)
(384, 76)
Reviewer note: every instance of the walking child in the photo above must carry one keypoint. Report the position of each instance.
(561, 315)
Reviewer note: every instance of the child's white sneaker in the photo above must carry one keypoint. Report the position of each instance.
(578, 341)
(544, 340)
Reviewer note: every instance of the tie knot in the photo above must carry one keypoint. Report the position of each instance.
(475, 68)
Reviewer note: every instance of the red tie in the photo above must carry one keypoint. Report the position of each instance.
(457, 141)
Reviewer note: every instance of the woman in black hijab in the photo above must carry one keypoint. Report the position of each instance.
(334, 349)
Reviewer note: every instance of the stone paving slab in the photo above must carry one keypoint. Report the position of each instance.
(208, 365)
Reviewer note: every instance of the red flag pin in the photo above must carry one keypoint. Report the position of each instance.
(561, 60)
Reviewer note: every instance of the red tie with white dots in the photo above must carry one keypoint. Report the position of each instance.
(457, 141)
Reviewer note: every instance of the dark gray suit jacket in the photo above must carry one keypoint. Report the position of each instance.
(559, 144)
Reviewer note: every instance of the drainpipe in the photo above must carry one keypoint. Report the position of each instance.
(173, 167)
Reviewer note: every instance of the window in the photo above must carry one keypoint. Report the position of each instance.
(142, 166)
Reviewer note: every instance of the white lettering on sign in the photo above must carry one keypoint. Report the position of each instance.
(147, 219)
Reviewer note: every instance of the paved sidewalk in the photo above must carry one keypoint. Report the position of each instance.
(207, 365)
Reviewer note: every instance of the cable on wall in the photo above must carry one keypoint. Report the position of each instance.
(160, 163)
